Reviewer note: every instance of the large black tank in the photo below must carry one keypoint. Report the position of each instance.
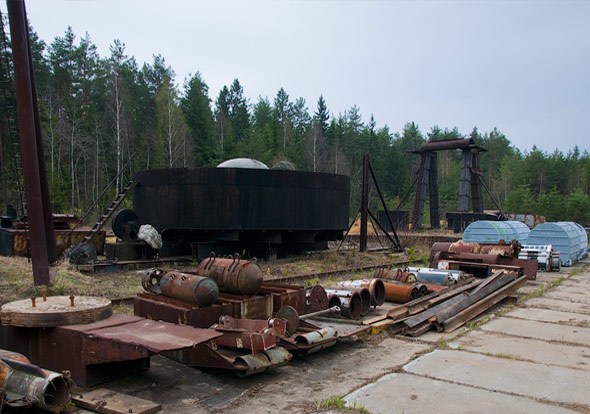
(242, 205)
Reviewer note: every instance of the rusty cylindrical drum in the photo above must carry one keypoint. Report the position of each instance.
(401, 292)
(233, 275)
(351, 304)
(375, 286)
(395, 274)
(184, 286)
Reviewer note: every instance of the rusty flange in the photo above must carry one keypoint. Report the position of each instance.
(54, 311)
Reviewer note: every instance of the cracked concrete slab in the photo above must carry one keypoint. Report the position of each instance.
(558, 304)
(406, 393)
(548, 383)
(539, 330)
(506, 346)
(554, 316)
(570, 296)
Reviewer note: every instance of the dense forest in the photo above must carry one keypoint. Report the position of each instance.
(98, 111)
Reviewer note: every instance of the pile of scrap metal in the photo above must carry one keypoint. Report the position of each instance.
(481, 260)
(452, 307)
(24, 385)
(260, 323)
(405, 285)
(548, 259)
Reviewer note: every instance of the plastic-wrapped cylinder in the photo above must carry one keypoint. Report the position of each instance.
(457, 275)
(191, 288)
(375, 286)
(243, 277)
(486, 231)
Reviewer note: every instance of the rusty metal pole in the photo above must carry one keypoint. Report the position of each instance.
(364, 203)
(30, 150)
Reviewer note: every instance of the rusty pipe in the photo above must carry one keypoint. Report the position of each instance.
(350, 302)
(47, 390)
(184, 286)
(395, 274)
(403, 292)
(243, 277)
(375, 287)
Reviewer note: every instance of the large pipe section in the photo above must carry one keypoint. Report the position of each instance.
(375, 287)
(511, 249)
(404, 292)
(349, 301)
(400, 275)
(47, 390)
(436, 276)
(184, 286)
(243, 277)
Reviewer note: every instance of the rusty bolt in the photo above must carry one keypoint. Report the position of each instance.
(33, 300)
(72, 300)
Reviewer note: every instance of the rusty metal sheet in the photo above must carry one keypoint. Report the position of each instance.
(152, 335)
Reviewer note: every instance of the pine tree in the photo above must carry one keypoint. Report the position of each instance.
(196, 107)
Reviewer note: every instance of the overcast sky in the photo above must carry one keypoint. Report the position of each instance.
(520, 66)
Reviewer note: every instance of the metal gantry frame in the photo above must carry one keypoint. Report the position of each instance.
(427, 179)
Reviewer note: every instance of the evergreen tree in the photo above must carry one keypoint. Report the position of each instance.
(197, 111)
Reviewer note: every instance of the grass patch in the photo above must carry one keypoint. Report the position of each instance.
(473, 325)
(336, 402)
(538, 292)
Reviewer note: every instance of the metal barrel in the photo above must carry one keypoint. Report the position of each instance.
(351, 303)
(436, 276)
(233, 275)
(401, 292)
(191, 288)
(375, 286)
(45, 389)
(315, 299)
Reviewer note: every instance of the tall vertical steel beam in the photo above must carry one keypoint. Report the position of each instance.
(476, 194)
(465, 181)
(364, 204)
(433, 192)
(421, 190)
(42, 237)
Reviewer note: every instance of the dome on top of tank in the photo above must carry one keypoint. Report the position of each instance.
(243, 163)
(284, 165)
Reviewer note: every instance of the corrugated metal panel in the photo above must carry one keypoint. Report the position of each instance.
(583, 240)
(564, 236)
(485, 231)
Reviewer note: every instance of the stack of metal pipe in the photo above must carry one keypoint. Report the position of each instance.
(353, 302)
(400, 275)
(404, 292)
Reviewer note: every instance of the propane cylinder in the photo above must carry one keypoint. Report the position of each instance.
(243, 277)
(191, 288)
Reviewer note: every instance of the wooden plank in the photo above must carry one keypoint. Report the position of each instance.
(381, 326)
(110, 402)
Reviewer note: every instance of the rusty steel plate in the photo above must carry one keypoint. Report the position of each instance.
(55, 311)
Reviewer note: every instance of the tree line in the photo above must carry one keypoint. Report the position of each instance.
(102, 114)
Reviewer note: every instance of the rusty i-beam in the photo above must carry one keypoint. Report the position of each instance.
(42, 238)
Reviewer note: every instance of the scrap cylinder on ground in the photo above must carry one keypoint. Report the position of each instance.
(351, 304)
(233, 275)
(375, 287)
(403, 292)
(395, 274)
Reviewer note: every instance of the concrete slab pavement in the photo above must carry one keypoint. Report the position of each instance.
(406, 393)
(543, 382)
(526, 349)
(548, 315)
(558, 304)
